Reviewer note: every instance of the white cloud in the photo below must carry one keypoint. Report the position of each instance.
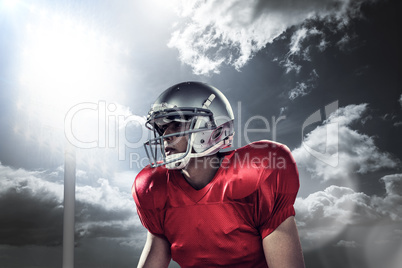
(297, 38)
(325, 214)
(231, 32)
(31, 183)
(296, 48)
(290, 65)
(301, 89)
(104, 210)
(400, 100)
(395, 118)
(357, 152)
(323, 45)
(342, 44)
(304, 88)
(391, 205)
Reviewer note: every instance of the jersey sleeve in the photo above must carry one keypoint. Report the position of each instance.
(277, 191)
(149, 193)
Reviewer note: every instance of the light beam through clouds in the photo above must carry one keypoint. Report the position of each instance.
(323, 215)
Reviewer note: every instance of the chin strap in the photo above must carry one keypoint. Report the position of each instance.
(182, 163)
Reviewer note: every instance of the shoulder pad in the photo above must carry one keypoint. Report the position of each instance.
(263, 144)
(260, 149)
(150, 188)
(249, 166)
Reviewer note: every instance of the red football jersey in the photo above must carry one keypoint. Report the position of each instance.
(222, 224)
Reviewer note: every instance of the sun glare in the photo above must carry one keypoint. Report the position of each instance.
(10, 3)
(64, 61)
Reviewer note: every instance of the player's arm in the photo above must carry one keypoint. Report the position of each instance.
(156, 252)
(282, 247)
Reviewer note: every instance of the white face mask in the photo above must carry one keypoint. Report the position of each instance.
(210, 129)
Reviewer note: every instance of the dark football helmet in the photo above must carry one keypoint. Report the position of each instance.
(204, 109)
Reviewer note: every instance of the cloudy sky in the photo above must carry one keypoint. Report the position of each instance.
(321, 76)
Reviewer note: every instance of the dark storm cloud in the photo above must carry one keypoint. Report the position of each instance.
(317, 7)
(32, 210)
(232, 32)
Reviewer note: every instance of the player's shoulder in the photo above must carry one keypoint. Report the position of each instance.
(150, 187)
(276, 164)
(249, 166)
(258, 163)
(263, 148)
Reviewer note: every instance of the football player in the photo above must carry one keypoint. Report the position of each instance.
(206, 208)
